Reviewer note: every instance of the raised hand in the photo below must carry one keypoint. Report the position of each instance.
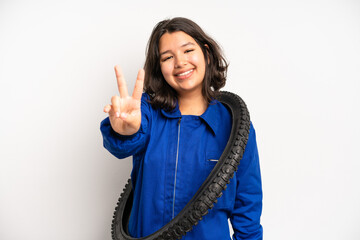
(124, 111)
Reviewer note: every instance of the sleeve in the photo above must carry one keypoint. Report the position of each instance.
(245, 218)
(124, 146)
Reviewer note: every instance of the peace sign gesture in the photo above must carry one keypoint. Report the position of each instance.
(124, 111)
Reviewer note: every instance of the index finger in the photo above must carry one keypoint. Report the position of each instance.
(121, 81)
(139, 84)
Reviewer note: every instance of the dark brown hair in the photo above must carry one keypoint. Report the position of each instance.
(161, 94)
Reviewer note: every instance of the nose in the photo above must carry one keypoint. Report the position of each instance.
(180, 61)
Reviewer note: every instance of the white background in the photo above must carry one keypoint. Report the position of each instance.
(295, 63)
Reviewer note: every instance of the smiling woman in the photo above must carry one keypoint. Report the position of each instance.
(181, 35)
(183, 66)
(175, 131)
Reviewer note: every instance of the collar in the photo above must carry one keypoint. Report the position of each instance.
(210, 116)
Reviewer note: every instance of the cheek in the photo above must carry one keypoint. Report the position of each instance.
(165, 69)
(199, 61)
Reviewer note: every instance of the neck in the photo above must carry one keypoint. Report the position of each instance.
(192, 105)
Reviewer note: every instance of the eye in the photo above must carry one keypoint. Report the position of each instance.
(167, 58)
(189, 50)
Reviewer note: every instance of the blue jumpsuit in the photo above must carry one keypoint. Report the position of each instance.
(172, 156)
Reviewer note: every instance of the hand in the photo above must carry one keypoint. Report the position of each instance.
(124, 111)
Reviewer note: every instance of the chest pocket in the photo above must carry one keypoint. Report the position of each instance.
(226, 201)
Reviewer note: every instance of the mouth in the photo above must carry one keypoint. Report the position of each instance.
(184, 75)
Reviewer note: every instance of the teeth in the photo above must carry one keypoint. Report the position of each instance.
(183, 74)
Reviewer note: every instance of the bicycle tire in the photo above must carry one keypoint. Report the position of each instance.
(208, 193)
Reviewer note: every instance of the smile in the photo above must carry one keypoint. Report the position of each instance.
(185, 73)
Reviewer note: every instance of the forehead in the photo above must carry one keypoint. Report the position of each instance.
(170, 41)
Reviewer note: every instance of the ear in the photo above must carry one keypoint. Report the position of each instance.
(207, 53)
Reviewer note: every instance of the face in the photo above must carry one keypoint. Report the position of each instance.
(182, 63)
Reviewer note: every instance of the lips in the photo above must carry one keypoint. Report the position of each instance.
(184, 75)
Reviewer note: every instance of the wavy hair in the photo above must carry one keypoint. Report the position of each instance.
(162, 95)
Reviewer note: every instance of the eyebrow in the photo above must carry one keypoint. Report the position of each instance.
(184, 45)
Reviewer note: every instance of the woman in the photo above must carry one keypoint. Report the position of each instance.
(176, 131)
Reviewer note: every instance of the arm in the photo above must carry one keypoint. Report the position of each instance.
(245, 217)
(124, 131)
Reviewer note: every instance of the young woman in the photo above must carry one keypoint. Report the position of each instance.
(176, 131)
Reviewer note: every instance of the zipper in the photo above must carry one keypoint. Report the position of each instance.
(176, 165)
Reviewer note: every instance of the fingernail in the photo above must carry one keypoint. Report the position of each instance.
(124, 115)
(117, 114)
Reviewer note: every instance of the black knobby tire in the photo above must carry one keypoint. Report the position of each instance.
(208, 192)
